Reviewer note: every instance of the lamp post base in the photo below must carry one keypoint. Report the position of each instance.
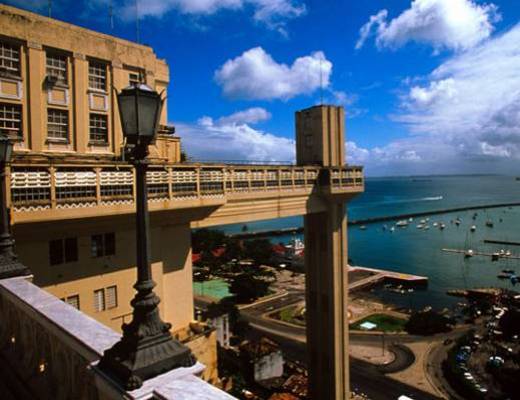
(10, 267)
(130, 363)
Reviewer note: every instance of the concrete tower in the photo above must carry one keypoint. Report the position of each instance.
(320, 139)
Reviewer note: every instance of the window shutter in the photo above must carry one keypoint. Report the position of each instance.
(111, 297)
(99, 300)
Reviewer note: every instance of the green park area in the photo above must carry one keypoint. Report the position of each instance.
(294, 314)
(215, 288)
(382, 322)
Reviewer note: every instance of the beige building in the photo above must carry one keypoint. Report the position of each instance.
(72, 194)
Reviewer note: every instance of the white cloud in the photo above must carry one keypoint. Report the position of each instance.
(256, 75)
(464, 117)
(272, 13)
(231, 138)
(250, 116)
(450, 24)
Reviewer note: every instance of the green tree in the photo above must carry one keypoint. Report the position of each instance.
(428, 323)
(259, 250)
(207, 240)
(247, 287)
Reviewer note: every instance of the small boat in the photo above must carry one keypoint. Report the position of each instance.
(435, 223)
(442, 226)
(420, 226)
(508, 271)
(508, 253)
(473, 228)
(502, 252)
(489, 223)
(402, 223)
(504, 276)
(423, 221)
(410, 219)
(495, 256)
(362, 227)
(427, 227)
(392, 229)
(469, 253)
(457, 222)
(427, 219)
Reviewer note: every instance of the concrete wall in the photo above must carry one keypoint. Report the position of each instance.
(171, 266)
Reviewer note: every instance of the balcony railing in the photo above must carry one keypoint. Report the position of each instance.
(36, 187)
(52, 348)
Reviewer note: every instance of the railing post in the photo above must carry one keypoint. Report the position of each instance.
(198, 170)
(279, 179)
(265, 179)
(250, 187)
(52, 173)
(98, 185)
(170, 182)
(224, 180)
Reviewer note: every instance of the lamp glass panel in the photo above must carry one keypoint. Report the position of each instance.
(128, 115)
(148, 105)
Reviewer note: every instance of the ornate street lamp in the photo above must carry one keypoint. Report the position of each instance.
(147, 347)
(9, 264)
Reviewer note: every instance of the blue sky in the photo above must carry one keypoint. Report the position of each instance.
(430, 86)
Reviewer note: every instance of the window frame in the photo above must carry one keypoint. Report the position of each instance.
(6, 71)
(15, 109)
(57, 125)
(103, 244)
(63, 251)
(102, 305)
(115, 302)
(95, 139)
(74, 296)
(97, 76)
(62, 77)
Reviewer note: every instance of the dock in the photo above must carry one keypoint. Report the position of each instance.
(380, 275)
(506, 242)
(482, 253)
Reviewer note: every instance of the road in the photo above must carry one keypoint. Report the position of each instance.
(365, 377)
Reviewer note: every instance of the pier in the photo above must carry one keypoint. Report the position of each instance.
(482, 253)
(380, 275)
(366, 221)
(506, 242)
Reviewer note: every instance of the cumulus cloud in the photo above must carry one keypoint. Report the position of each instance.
(443, 24)
(463, 117)
(255, 75)
(250, 116)
(233, 138)
(272, 13)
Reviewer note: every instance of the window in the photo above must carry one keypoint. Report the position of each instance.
(111, 297)
(103, 245)
(58, 125)
(72, 301)
(9, 59)
(99, 300)
(105, 299)
(63, 251)
(133, 79)
(97, 75)
(11, 119)
(57, 66)
(98, 128)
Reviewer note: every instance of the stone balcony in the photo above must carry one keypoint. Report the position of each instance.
(49, 350)
(40, 192)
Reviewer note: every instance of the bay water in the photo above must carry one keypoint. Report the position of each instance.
(417, 251)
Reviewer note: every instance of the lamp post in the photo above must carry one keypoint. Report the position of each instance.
(9, 264)
(147, 347)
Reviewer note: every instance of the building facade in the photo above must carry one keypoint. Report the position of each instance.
(72, 195)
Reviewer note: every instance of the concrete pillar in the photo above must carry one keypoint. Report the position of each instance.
(80, 103)
(320, 140)
(326, 297)
(36, 110)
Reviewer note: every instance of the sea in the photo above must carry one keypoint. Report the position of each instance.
(416, 251)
